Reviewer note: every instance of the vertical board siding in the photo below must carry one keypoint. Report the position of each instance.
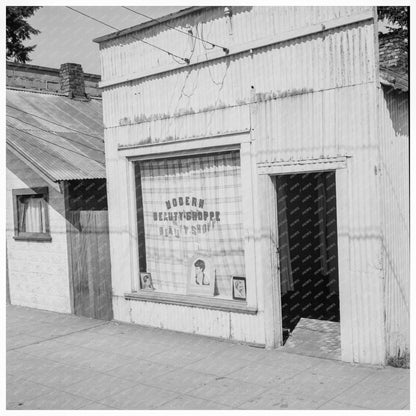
(91, 269)
(394, 166)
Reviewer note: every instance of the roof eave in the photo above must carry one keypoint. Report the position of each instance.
(150, 23)
(38, 169)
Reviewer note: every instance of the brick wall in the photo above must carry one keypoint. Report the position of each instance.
(72, 80)
(45, 79)
(393, 52)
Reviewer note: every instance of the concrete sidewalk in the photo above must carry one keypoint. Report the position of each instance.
(58, 361)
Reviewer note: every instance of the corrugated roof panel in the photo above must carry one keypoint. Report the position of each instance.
(62, 137)
(85, 116)
(57, 158)
(393, 78)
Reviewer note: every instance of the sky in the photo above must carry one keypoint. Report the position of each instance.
(66, 36)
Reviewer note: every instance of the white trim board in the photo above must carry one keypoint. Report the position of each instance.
(223, 143)
(299, 166)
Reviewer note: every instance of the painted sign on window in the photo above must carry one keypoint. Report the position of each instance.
(185, 215)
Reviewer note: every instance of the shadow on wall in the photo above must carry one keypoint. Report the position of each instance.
(398, 108)
(32, 179)
(85, 195)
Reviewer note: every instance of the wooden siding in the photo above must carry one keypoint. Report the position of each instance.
(90, 264)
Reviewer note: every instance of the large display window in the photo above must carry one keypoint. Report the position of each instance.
(190, 231)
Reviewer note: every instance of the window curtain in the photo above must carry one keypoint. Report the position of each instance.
(286, 276)
(191, 211)
(32, 215)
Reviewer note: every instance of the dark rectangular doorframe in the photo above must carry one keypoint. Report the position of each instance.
(308, 256)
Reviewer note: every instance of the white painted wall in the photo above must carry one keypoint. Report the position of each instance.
(38, 271)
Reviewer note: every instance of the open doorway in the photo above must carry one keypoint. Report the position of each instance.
(308, 258)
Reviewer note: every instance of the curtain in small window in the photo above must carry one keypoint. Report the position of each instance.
(32, 215)
(193, 222)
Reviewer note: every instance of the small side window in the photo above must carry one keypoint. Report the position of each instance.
(31, 217)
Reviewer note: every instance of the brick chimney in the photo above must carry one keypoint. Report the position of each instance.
(72, 80)
(393, 50)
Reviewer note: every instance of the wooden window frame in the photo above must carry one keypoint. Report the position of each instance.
(28, 236)
(237, 141)
(165, 297)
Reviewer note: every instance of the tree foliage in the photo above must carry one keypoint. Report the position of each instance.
(17, 31)
(396, 17)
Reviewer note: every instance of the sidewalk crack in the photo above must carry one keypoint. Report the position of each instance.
(58, 336)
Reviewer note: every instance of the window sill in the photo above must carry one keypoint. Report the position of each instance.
(33, 237)
(225, 305)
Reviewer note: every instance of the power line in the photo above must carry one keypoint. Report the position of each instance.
(58, 124)
(186, 60)
(226, 50)
(55, 134)
(55, 144)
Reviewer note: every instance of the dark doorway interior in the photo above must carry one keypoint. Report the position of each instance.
(308, 247)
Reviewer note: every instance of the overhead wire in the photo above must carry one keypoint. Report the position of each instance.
(202, 38)
(55, 144)
(226, 50)
(53, 122)
(186, 60)
(54, 133)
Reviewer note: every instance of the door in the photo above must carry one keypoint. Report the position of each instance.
(90, 264)
(308, 256)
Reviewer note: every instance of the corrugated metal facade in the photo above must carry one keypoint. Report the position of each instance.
(394, 166)
(311, 96)
(124, 55)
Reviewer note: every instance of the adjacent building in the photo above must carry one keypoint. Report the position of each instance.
(57, 230)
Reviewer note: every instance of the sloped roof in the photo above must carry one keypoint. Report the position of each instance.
(60, 136)
(395, 79)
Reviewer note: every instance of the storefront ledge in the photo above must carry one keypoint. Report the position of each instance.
(33, 237)
(193, 302)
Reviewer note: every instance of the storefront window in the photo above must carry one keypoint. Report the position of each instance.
(190, 224)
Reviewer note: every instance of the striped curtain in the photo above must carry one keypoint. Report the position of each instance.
(192, 211)
(32, 215)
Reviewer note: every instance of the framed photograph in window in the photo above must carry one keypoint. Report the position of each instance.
(239, 288)
(201, 278)
(31, 216)
(146, 282)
